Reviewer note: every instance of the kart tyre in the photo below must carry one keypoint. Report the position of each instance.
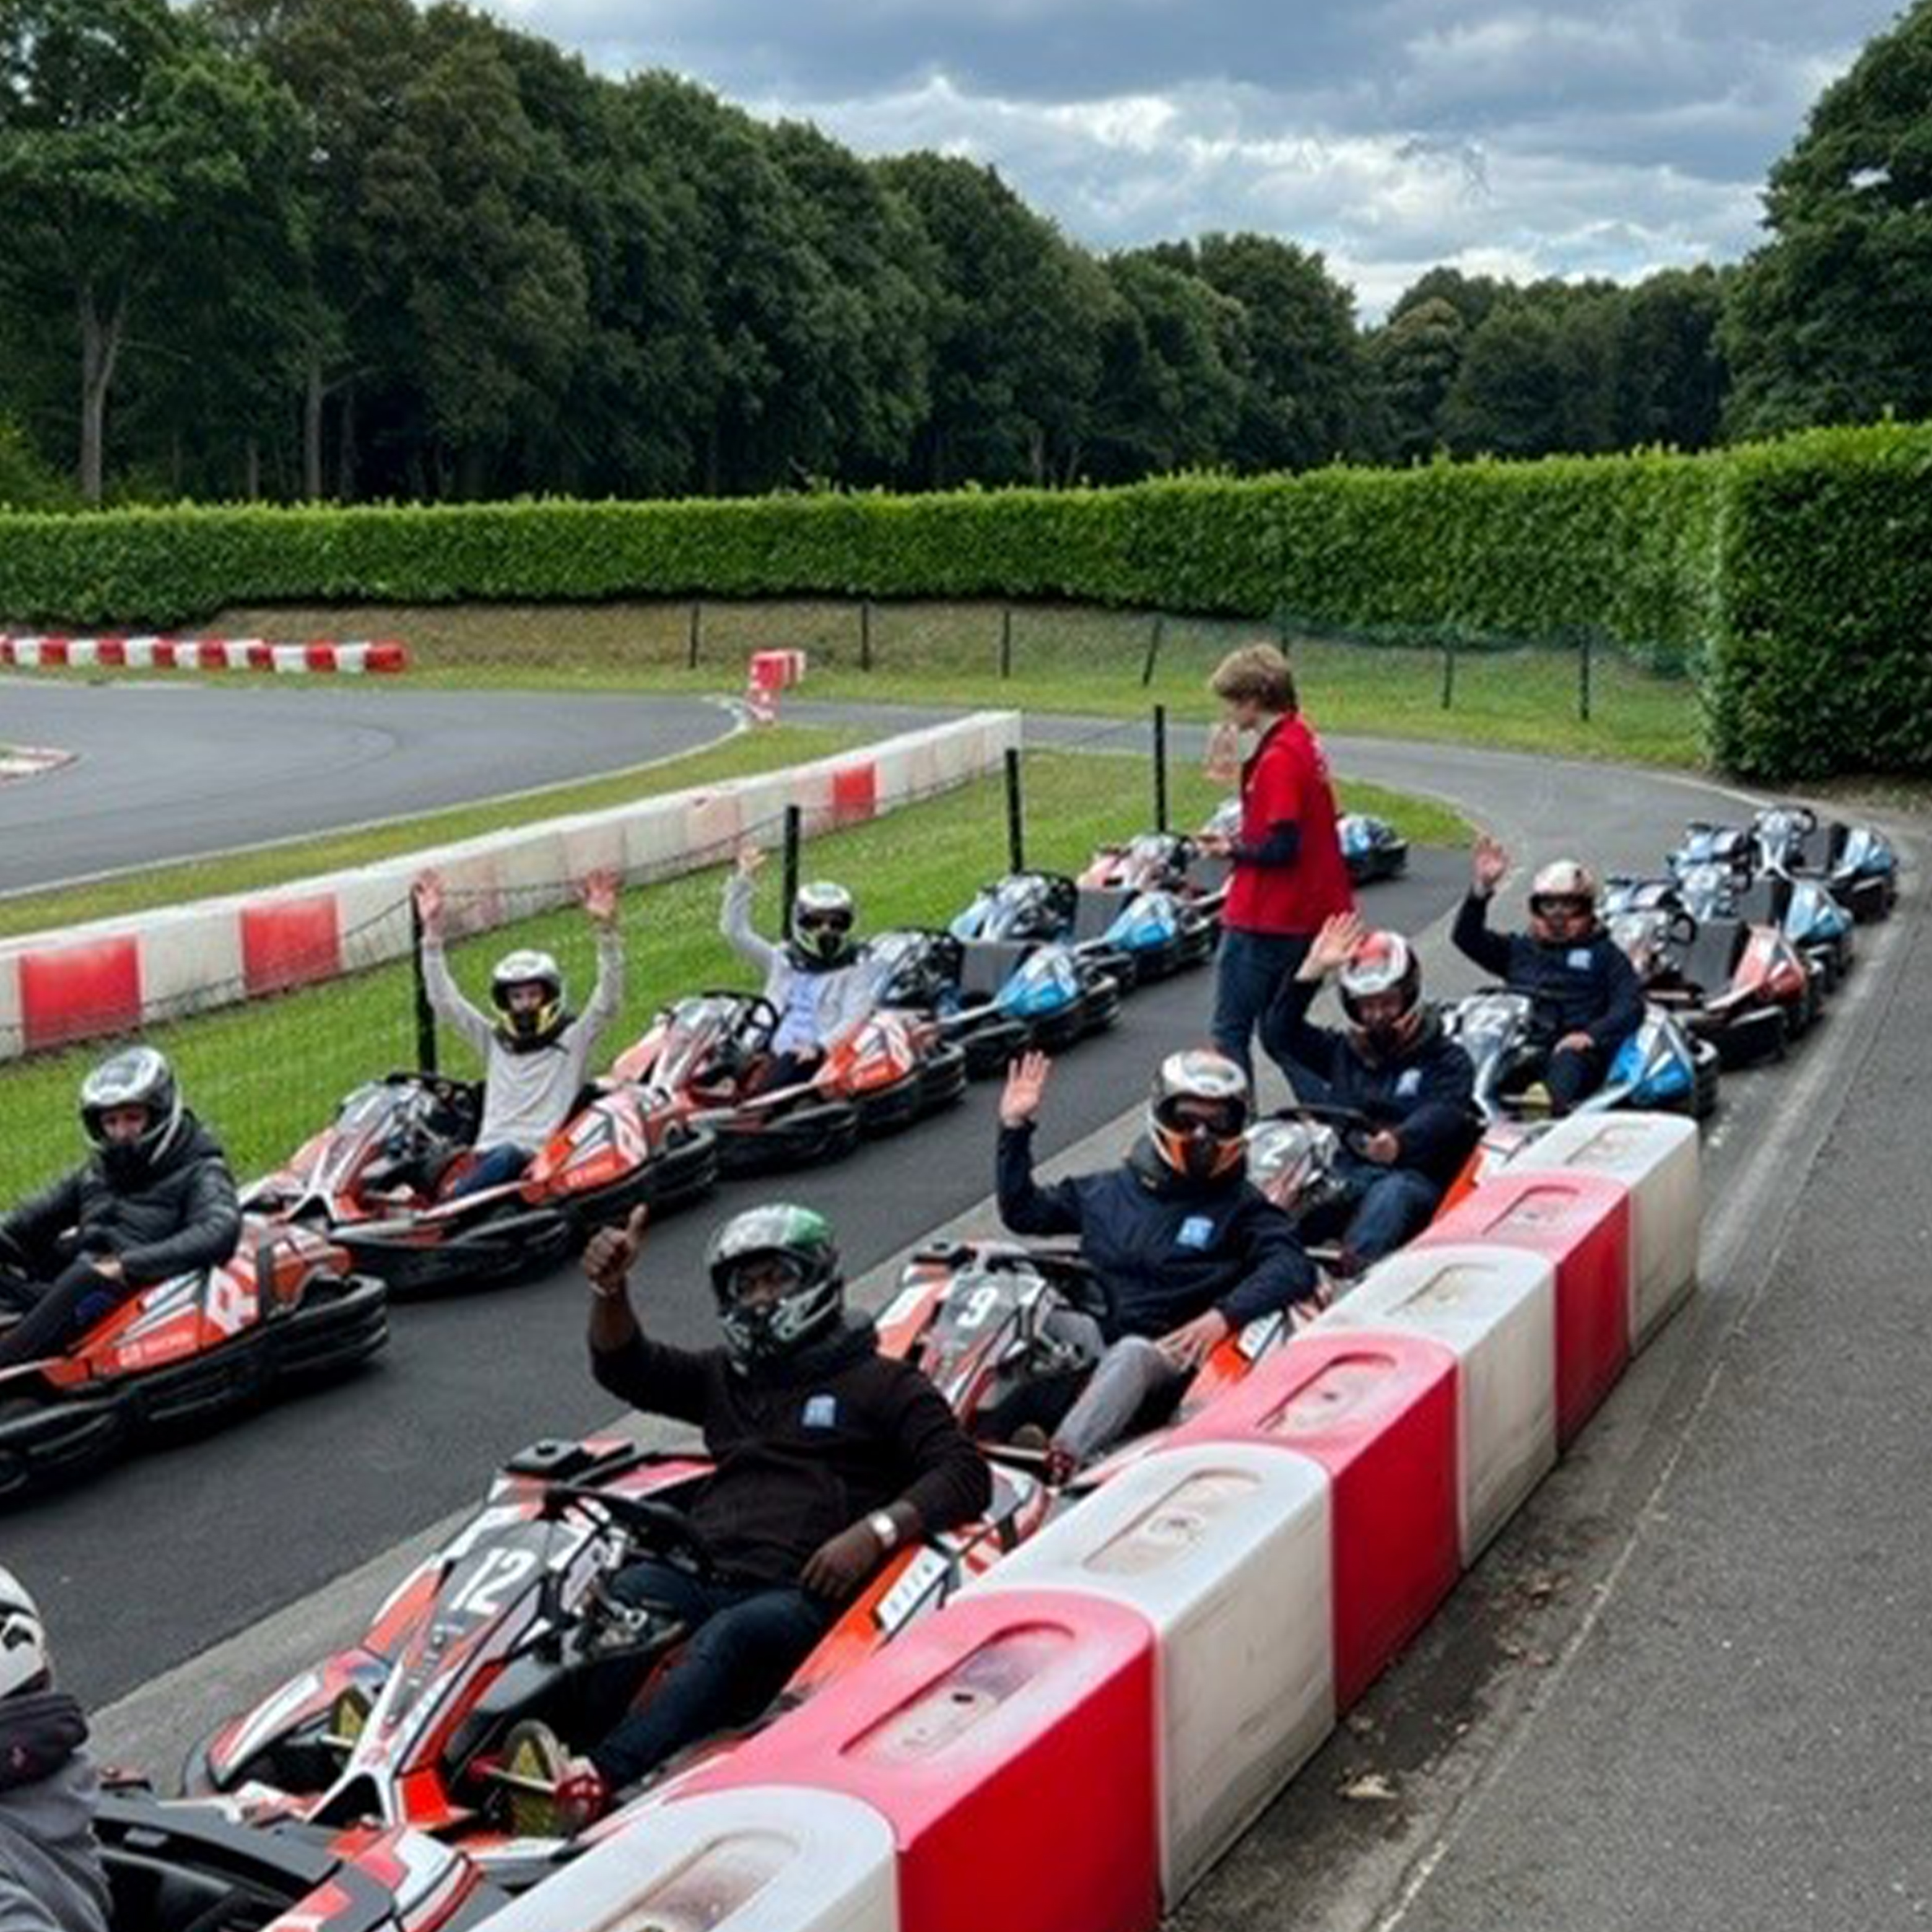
(339, 1324)
(684, 1169)
(942, 1079)
(803, 1137)
(1102, 1007)
(989, 1049)
(1054, 1032)
(886, 1110)
(1706, 1070)
(46, 1440)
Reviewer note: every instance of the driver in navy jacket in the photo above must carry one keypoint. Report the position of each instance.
(1586, 997)
(1184, 1251)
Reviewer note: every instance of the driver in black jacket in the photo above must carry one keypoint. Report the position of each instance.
(155, 1199)
(828, 1456)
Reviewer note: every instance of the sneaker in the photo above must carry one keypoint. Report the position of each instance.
(1030, 1438)
(552, 1794)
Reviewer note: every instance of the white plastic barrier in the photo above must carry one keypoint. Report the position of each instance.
(1224, 1550)
(768, 1859)
(1656, 1156)
(1496, 1309)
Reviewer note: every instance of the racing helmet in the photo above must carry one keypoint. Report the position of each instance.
(1384, 962)
(812, 1300)
(1562, 885)
(1197, 1113)
(139, 1076)
(23, 1637)
(822, 917)
(522, 1031)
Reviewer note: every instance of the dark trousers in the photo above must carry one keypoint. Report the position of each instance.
(1253, 968)
(1382, 1207)
(789, 1070)
(494, 1165)
(1574, 1075)
(746, 1639)
(52, 1313)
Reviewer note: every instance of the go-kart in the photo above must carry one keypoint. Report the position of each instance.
(512, 1619)
(286, 1309)
(996, 996)
(710, 1054)
(378, 1178)
(1661, 1066)
(1168, 861)
(1132, 934)
(979, 1319)
(180, 1867)
(1854, 863)
(1738, 982)
(1372, 848)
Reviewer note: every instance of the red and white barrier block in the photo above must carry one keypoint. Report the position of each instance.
(322, 656)
(767, 674)
(760, 1859)
(1010, 1742)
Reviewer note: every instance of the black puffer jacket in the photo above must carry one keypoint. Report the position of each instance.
(181, 1214)
(1586, 986)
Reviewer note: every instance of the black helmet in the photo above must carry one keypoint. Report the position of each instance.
(801, 1241)
(138, 1077)
(523, 1031)
(1384, 962)
(822, 917)
(1205, 1140)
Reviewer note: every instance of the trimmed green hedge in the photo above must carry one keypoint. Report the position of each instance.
(1795, 577)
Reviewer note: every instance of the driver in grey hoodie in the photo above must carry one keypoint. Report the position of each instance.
(51, 1876)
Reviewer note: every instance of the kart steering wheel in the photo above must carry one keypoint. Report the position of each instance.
(1680, 928)
(665, 1529)
(1353, 1125)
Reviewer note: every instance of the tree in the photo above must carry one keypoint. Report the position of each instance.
(1671, 373)
(1507, 399)
(1416, 359)
(129, 152)
(1827, 322)
(1306, 397)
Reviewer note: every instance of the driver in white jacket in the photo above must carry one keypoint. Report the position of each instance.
(823, 985)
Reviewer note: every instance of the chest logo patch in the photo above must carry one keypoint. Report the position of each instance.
(1197, 1231)
(821, 1412)
(1409, 1083)
(1579, 959)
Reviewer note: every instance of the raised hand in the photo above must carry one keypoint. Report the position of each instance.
(750, 858)
(1026, 1085)
(600, 896)
(1487, 865)
(428, 890)
(1334, 945)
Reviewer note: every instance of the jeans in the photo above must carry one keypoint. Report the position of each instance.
(1574, 1075)
(1383, 1207)
(1131, 1371)
(1253, 968)
(53, 1315)
(746, 1638)
(493, 1166)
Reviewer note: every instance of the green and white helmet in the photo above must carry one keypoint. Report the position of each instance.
(801, 1241)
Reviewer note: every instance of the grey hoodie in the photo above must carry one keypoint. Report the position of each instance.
(51, 1876)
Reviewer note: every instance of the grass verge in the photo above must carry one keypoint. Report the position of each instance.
(266, 1075)
(1061, 658)
(748, 752)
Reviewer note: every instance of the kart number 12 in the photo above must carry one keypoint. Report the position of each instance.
(496, 1575)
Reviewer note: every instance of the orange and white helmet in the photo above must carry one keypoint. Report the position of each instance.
(1384, 962)
(1197, 1114)
(23, 1638)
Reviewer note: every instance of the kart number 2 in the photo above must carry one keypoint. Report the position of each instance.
(496, 1575)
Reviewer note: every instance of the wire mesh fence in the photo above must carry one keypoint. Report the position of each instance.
(265, 1074)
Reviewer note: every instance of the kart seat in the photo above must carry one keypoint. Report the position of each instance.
(988, 964)
(1710, 959)
(1762, 902)
(1098, 908)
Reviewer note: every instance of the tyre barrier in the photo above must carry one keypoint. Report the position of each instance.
(322, 656)
(1109, 1707)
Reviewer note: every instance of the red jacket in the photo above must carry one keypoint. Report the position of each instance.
(1289, 873)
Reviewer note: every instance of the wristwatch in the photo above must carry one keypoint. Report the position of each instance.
(880, 1522)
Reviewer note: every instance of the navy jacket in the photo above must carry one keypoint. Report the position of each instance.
(1425, 1095)
(1589, 987)
(1163, 1249)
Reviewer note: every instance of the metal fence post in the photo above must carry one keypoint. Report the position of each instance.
(865, 634)
(1160, 768)
(1448, 673)
(1583, 677)
(794, 833)
(1153, 650)
(1015, 814)
(425, 1013)
(697, 633)
(1006, 641)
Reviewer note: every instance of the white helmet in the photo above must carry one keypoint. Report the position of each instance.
(1563, 879)
(533, 1027)
(23, 1638)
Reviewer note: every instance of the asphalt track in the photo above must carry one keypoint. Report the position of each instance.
(1688, 1686)
(174, 771)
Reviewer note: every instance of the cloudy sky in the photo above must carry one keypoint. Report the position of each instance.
(1559, 138)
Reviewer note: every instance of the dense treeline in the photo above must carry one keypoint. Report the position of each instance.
(350, 249)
